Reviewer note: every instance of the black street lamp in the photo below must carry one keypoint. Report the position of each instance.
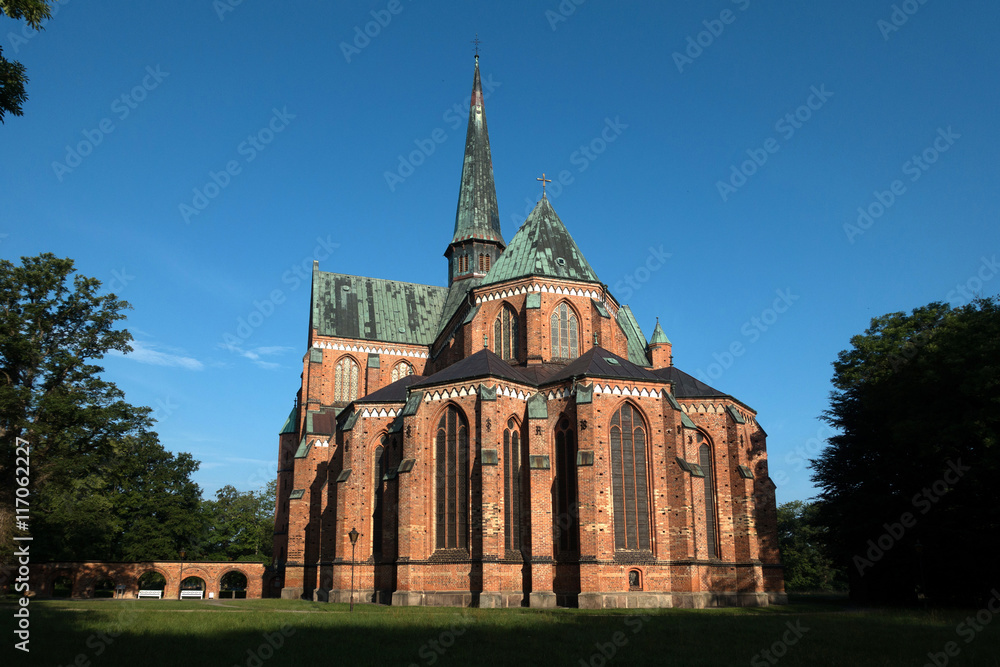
(354, 541)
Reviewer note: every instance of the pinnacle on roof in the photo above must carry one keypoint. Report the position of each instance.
(477, 216)
(658, 335)
(542, 247)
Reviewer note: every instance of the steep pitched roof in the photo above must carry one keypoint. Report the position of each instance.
(687, 386)
(542, 247)
(392, 393)
(477, 216)
(374, 309)
(658, 334)
(633, 334)
(598, 362)
(481, 364)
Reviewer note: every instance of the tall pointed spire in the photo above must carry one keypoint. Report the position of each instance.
(477, 241)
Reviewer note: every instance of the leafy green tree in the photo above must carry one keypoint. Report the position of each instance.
(101, 485)
(803, 549)
(12, 76)
(909, 482)
(240, 524)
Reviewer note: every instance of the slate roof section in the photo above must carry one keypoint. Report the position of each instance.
(477, 216)
(457, 294)
(480, 365)
(392, 393)
(373, 309)
(633, 333)
(686, 386)
(538, 247)
(598, 362)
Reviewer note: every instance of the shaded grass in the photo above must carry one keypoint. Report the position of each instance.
(232, 632)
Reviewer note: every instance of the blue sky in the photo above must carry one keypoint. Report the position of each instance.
(197, 156)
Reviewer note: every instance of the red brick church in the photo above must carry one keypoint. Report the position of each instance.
(513, 439)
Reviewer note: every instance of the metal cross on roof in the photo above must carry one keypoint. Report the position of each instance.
(544, 181)
(477, 43)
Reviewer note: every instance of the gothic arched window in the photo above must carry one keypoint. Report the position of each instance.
(346, 381)
(512, 485)
(705, 461)
(452, 480)
(564, 333)
(566, 507)
(401, 370)
(629, 484)
(377, 474)
(505, 333)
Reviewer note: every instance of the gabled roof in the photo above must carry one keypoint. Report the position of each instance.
(686, 386)
(477, 216)
(633, 334)
(542, 247)
(481, 364)
(392, 393)
(374, 309)
(598, 362)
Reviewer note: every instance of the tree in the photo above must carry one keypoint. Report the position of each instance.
(101, 485)
(12, 77)
(808, 567)
(908, 483)
(240, 524)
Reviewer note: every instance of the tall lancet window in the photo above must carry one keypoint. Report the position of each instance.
(505, 333)
(512, 486)
(377, 485)
(401, 370)
(711, 534)
(629, 485)
(451, 444)
(564, 334)
(566, 501)
(346, 381)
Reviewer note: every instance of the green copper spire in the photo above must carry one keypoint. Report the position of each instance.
(658, 335)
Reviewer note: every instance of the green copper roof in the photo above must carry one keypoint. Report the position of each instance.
(289, 425)
(636, 339)
(376, 310)
(658, 335)
(477, 216)
(542, 247)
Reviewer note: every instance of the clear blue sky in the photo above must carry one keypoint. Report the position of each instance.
(161, 95)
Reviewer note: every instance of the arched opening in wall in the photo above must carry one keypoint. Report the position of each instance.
(104, 588)
(151, 580)
(62, 586)
(451, 454)
(193, 584)
(564, 334)
(233, 585)
(635, 580)
(711, 532)
(630, 479)
(505, 333)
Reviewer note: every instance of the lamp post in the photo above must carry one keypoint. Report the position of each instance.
(180, 582)
(354, 541)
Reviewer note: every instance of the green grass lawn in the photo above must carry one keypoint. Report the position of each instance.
(819, 631)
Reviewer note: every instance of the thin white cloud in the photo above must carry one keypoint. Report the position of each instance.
(254, 354)
(149, 353)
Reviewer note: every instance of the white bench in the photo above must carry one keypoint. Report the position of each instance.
(154, 593)
(192, 594)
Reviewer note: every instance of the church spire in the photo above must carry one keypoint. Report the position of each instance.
(477, 221)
